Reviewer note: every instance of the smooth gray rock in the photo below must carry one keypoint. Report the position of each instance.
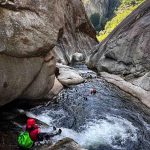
(68, 76)
(27, 36)
(134, 90)
(78, 57)
(126, 51)
(143, 82)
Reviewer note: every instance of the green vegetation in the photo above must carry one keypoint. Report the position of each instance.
(126, 7)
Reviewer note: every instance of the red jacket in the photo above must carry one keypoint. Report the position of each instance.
(33, 132)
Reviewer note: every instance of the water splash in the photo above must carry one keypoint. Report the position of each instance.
(106, 120)
(114, 131)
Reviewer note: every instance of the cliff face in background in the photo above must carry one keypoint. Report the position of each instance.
(76, 34)
(100, 11)
(126, 51)
(29, 31)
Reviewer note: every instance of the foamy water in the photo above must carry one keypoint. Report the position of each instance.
(106, 120)
(113, 131)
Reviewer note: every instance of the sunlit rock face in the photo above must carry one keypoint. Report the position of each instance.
(126, 51)
(31, 32)
(100, 11)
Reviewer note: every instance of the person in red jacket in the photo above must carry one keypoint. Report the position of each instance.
(93, 91)
(33, 129)
(36, 134)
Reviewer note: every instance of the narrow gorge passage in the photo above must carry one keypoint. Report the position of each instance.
(107, 120)
(39, 39)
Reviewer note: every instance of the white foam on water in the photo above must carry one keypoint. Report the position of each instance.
(103, 132)
(45, 118)
(113, 131)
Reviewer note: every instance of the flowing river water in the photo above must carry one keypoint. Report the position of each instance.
(107, 120)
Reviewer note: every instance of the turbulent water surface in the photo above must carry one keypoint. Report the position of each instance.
(107, 120)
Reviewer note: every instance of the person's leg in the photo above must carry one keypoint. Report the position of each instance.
(40, 137)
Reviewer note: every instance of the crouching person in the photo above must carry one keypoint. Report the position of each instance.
(32, 134)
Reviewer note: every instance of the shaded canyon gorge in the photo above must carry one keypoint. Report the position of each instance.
(45, 49)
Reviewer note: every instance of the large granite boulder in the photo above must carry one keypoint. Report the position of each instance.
(29, 31)
(27, 35)
(126, 51)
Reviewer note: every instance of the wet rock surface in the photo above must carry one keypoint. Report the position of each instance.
(143, 82)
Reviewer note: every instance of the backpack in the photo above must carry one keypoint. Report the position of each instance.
(24, 140)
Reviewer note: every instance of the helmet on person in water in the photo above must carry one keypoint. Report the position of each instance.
(93, 91)
(30, 122)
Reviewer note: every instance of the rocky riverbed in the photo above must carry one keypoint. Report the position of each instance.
(110, 119)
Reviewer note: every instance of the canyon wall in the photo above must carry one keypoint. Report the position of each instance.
(32, 33)
(126, 51)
